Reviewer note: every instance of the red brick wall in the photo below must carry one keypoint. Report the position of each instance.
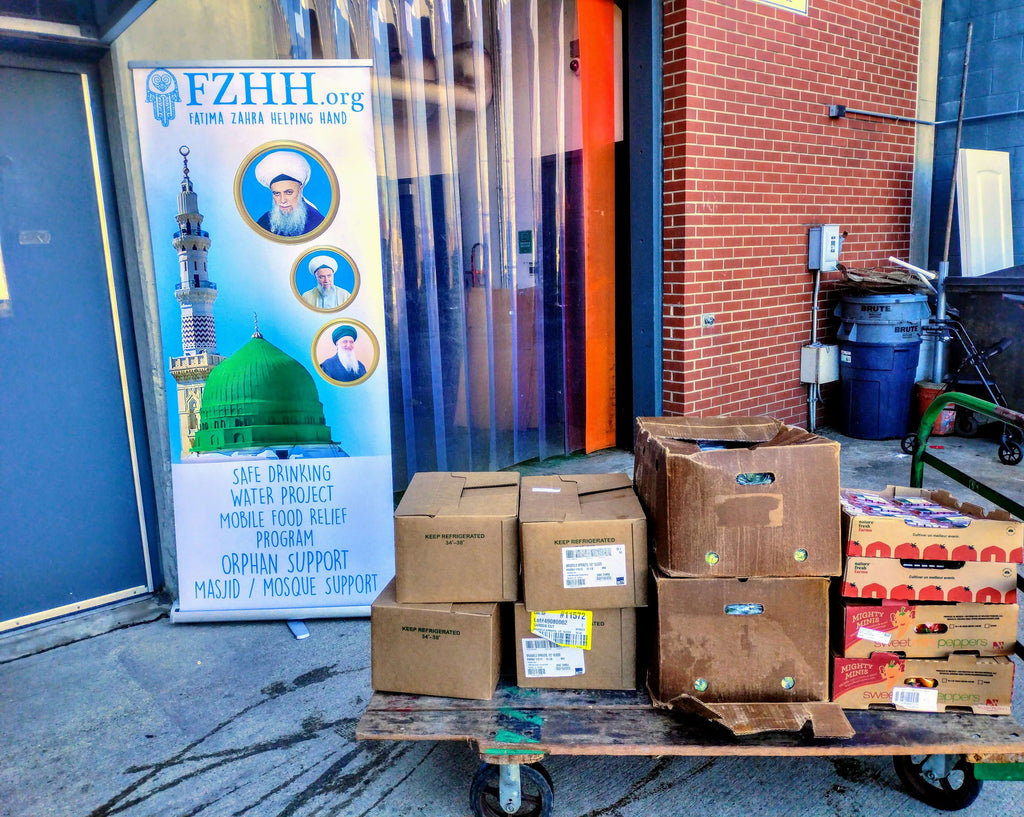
(751, 160)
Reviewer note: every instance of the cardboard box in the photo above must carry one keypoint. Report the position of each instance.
(983, 686)
(918, 580)
(583, 541)
(457, 538)
(452, 650)
(960, 531)
(609, 662)
(921, 630)
(740, 641)
(739, 496)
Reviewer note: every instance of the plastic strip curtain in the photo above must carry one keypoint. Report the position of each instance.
(296, 15)
(549, 206)
(471, 102)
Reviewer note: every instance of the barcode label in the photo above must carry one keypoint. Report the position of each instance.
(567, 628)
(916, 699)
(545, 659)
(566, 639)
(600, 566)
(877, 636)
(587, 553)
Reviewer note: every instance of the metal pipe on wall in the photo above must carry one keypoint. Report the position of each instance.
(939, 365)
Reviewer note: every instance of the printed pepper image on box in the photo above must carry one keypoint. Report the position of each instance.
(959, 682)
(924, 630)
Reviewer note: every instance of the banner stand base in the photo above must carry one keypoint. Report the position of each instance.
(179, 616)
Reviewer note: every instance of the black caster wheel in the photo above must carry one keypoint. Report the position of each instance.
(945, 782)
(536, 792)
(966, 423)
(1009, 453)
(908, 443)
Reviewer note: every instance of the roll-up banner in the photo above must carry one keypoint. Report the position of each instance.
(261, 191)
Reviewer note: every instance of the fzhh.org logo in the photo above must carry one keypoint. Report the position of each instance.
(162, 93)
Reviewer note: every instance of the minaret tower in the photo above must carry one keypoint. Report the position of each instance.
(195, 293)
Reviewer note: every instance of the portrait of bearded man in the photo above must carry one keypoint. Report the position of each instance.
(326, 294)
(343, 365)
(285, 174)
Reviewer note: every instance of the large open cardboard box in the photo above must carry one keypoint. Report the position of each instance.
(740, 641)
(584, 543)
(457, 538)
(751, 655)
(739, 496)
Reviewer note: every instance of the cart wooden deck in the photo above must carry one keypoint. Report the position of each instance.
(525, 725)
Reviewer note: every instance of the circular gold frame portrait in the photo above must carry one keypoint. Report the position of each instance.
(306, 257)
(243, 182)
(322, 342)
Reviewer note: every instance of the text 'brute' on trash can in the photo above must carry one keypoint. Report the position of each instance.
(879, 345)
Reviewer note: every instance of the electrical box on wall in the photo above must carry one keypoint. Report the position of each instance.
(823, 245)
(819, 363)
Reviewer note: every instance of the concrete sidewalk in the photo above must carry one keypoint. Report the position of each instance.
(121, 713)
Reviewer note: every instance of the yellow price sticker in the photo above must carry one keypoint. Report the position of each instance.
(566, 628)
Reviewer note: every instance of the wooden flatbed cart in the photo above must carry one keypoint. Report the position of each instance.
(941, 759)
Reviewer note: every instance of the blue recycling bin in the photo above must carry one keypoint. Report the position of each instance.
(877, 382)
(879, 347)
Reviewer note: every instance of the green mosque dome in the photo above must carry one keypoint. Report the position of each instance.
(259, 397)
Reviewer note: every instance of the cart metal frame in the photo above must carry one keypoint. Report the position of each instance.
(923, 457)
(940, 758)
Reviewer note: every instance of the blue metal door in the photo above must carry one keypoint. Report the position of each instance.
(74, 492)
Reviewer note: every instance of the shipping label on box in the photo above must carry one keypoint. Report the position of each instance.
(915, 523)
(739, 496)
(921, 630)
(457, 538)
(918, 580)
(983, 686)
(451, 650)
(576, 649)
(583, 541)
(545, 659)
(740, 641)
(594, 566)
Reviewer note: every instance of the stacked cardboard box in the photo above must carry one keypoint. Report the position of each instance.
(436, 628)
(463, 541)
(929, 609)
(745, 520)
(583, 540)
